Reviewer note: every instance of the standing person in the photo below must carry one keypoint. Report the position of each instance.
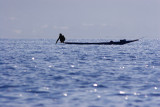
(61, 38)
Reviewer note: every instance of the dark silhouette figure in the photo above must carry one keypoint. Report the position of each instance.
(61, 38)
(123, 41)
(111, 42)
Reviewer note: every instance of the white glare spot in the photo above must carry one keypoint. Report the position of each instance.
(50, 66)
(155, 88)
(72, 66)
(146, 66)
(45, 88)
(126, 98)
(122, 92)
(98, 96)
(32, 58)
(65, 94)
(136, 93)
(95, 85)
(121, 67)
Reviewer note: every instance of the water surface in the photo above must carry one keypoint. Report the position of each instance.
(38, 73)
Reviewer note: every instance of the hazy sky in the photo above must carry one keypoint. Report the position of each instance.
(79, 18)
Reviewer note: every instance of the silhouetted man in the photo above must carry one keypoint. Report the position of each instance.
(61, 38)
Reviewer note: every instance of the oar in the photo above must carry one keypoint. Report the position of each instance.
(57, 40)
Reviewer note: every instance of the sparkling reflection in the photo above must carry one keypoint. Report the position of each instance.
(33, 58)
(122, 92)
(65, 94)
(95, 85)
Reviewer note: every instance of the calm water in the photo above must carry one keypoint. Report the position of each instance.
(38, 73)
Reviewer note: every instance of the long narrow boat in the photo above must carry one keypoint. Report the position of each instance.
(121, 42)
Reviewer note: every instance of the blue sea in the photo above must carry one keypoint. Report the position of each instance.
(38, 73)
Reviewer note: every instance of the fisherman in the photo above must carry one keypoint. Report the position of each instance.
(61, 38)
